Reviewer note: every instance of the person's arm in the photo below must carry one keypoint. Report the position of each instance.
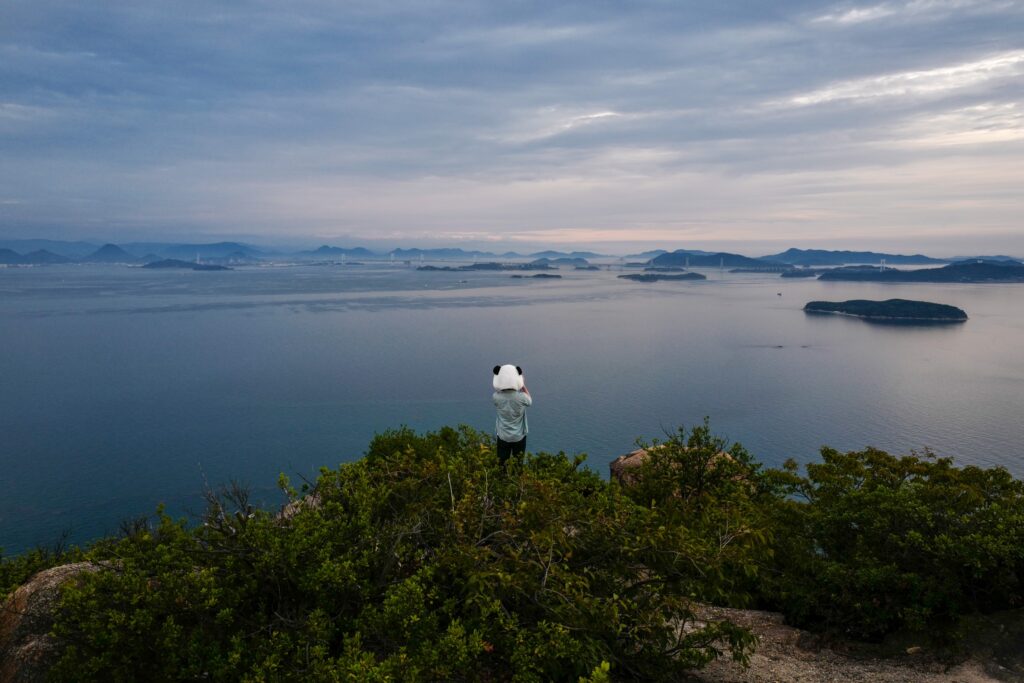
(525, 397)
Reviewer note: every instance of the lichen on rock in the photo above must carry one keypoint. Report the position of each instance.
(27, 650)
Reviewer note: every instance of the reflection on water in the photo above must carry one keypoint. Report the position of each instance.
(126, 387)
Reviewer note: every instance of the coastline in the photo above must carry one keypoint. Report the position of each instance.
(887, 317)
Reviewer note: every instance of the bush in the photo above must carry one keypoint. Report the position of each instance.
(426, 560)
(868, 543)
(16, 570)
(713, 498)
(422, 561)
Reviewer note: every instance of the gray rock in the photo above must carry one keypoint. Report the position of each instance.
(27, 650)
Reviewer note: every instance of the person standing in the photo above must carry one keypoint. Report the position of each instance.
(511, 398)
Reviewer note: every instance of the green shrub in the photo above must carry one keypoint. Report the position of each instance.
(422, 561)
(426, 560)
(16, 570)
(712, 498)
(868, 543)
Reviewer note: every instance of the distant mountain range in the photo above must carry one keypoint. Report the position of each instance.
(983, 258)
(68, 252)
(110, 253)
(964, 271)
(648, 255)
(455, 253)
(822, 257)
(327, 252)
(45, 256)
(41, 251)
(175, 264)
(562, 255)
(10, 256)
(39, 256)
(683, 257)
(190, 252)
(561, 261)
(73, 250)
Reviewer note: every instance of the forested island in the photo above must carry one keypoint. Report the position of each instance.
(892, 309)
(767, 268)
(827, 257)
(803, 272)
(963, 271)
(657, 277)
(703, 259)
(427, 559)
(177, 264)
(540, 264)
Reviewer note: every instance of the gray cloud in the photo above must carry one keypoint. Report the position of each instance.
(584, 122)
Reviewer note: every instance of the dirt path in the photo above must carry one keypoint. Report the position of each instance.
(789, 655)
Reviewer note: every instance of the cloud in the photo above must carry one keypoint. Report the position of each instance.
(548, 122)
(911, 10)
(14, 112)
(533, 121)
(857, 15)
(927, 82)
(982, 124)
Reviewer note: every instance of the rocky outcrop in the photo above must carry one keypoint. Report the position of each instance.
(27, 650)
(312, 502)
(625, 468)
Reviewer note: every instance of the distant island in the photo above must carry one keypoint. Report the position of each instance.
(897, 310)
(692, 259)
(766, 268)
(964, 271)
(792, 262)
(172, 263)
(803, 272)
(655, 277)
(562, 261)
(647, 255)
(825, 257)
(548, 276)
(577, 255)
(328, 251)
(540, 264)
(110, 253)
(457, 253)
(38, 257)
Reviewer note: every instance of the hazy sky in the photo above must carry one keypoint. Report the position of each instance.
(895, 124)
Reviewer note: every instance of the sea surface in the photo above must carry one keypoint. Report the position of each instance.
(123, 388)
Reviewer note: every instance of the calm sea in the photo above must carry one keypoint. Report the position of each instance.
(121, 388)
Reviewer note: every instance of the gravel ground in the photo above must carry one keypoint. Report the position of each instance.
(787, 654)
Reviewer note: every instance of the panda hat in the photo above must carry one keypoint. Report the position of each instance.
(508, 377)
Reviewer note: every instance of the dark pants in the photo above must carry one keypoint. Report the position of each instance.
(506, 449)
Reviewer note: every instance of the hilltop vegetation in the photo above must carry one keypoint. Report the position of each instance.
(427, 561)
